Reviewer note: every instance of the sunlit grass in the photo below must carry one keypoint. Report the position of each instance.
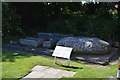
(17, 65)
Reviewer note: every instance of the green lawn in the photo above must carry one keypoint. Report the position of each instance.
(17, 65)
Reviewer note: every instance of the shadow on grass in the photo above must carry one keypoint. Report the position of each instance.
(73, 67)
(9, 56)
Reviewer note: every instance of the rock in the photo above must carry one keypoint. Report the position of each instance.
(50, 34)
(47, 44)
(14, 41)
(50, 44)
(115, 44)
(98, 59)
(85, 45)
(92, 58)
(31, 38)
(54, 36)
(32, 42)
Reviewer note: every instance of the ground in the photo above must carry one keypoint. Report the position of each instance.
(17, 65)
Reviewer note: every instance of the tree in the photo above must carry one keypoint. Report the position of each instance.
(10, 21)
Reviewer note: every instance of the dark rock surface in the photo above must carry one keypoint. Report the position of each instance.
(85, 45)
(14, 42)
(115, 44)
(32, 42)
(51, 34)
(49, 44)
(28, 49)
(54, 36)
(99, 59)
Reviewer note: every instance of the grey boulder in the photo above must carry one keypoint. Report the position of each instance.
(32, 42)
(85, 45)
(14, 42)
(50, 44)
(54, 36)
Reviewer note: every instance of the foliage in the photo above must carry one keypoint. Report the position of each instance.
(11, 25)
(62, 26)
(89, 26)
(91, 20)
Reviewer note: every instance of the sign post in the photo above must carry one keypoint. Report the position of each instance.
(63, 52)
(55, 60)
(69, 62)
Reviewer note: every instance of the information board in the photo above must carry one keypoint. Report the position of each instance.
(63, 52)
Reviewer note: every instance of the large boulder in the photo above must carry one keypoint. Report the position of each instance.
(85, 45)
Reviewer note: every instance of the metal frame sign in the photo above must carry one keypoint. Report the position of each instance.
(63, 52)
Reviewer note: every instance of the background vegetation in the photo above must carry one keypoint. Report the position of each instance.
(91, 20)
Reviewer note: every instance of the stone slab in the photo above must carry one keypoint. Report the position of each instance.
(40, 68)
(32, 42)
(49, 44)
(50, 34)
(67, 73)
(48, 72)
(52, 76)
(35, 74)
(52, 71)
(100, 59)
(54, 36)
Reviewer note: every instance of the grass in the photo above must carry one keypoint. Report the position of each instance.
(17, 65)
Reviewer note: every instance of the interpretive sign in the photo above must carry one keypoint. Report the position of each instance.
(63, 52)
